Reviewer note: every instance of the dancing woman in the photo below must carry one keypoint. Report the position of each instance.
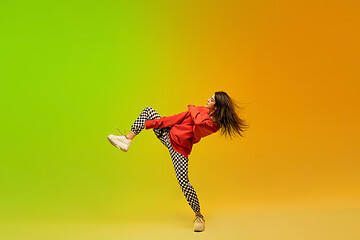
(179, 132)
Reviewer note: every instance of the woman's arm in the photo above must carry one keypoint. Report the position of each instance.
(164, 122)
(197, 117)
(204, 125)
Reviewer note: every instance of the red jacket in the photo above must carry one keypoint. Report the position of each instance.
(186, 128)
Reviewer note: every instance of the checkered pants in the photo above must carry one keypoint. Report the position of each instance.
(180, 162)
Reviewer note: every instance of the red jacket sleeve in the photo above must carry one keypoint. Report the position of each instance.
(197, 116)
(204, 125)
(164, 122)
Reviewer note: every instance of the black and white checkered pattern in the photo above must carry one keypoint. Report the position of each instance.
(180, 162)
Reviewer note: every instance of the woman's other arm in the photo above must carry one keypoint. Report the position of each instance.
(203, 123)
(164, 122)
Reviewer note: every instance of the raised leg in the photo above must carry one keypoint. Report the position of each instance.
(147, 114)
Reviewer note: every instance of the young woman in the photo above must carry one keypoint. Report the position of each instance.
(179, 132)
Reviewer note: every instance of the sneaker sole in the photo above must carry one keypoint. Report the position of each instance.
(199, 230)
(116, 145)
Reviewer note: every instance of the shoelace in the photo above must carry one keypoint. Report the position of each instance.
(121, 134)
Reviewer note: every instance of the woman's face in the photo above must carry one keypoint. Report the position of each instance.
(211, 103)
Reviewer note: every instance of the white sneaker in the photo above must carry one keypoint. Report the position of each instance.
(199, 224)
(120, 142)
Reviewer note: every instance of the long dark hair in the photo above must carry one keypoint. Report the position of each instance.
(227, 116)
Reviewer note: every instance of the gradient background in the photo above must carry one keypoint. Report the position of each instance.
(71, 71)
